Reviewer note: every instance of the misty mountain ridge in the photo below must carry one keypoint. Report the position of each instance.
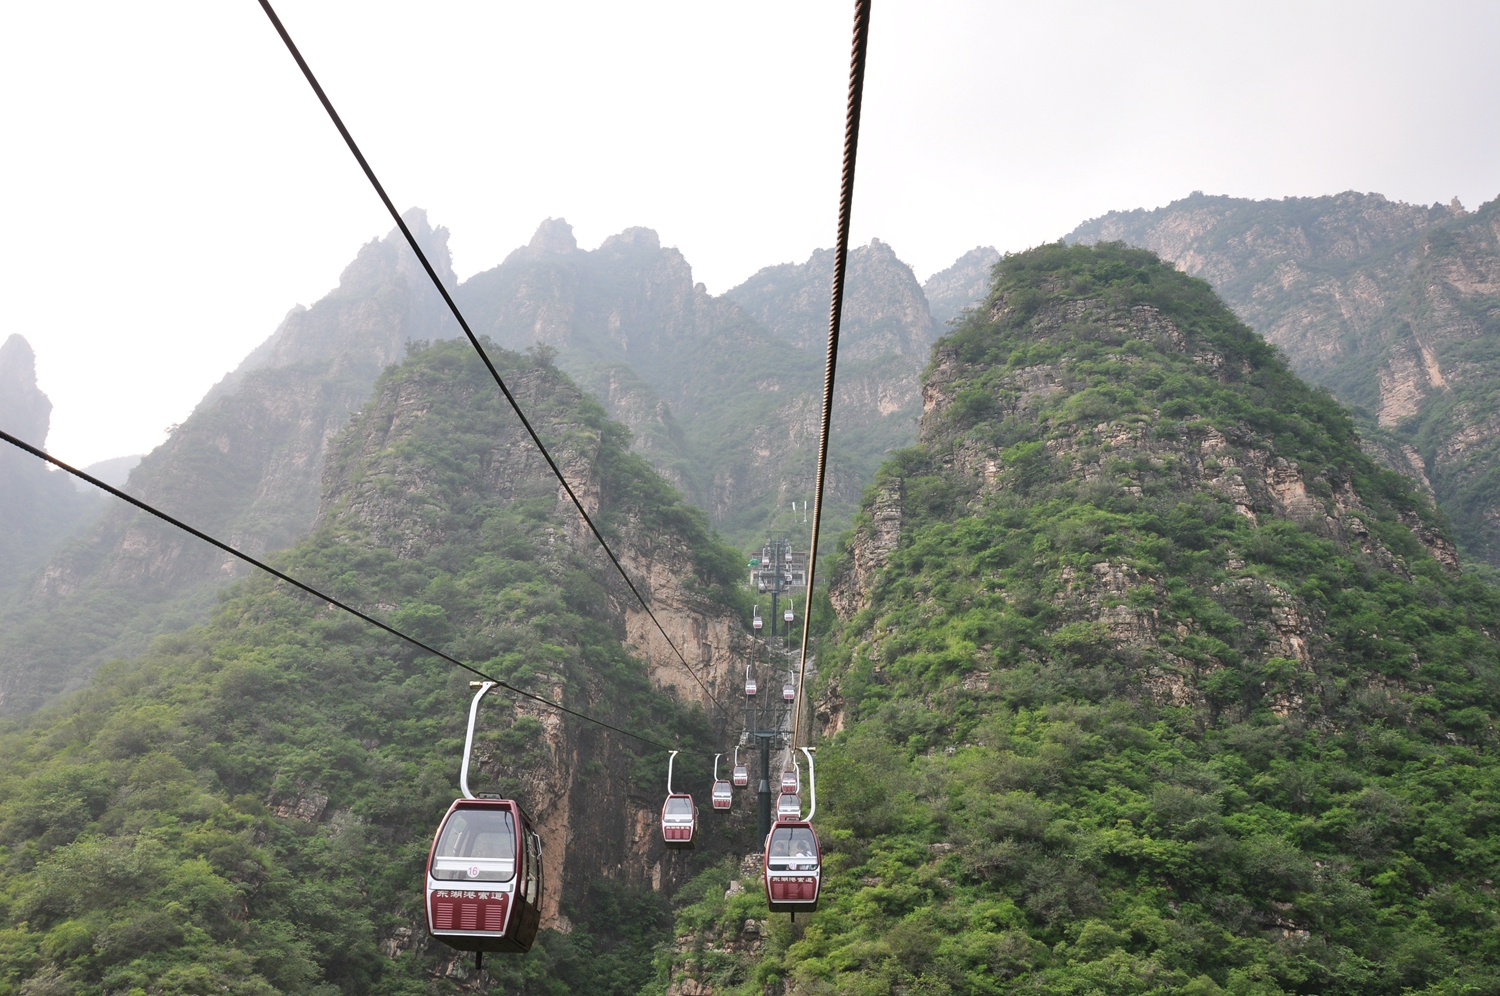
(719, 403)
(39, 508)
(1136, 675)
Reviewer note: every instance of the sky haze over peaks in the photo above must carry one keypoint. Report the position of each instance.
(175, 188)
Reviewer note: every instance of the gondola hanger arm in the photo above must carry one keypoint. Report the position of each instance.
(463, 775)
(812, 785)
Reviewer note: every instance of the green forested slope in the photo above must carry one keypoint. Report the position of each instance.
(245, 465)
(246, 808)
(1394, 307)
(1147, 681)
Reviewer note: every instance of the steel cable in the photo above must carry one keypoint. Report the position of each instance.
(859, 47)
(437, 282)
(336, 603)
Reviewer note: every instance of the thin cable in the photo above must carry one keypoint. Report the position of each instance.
(359, 156)
(835, 315)
(281, 575)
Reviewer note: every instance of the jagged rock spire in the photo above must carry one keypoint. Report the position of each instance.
(554, 235)
(24, 410)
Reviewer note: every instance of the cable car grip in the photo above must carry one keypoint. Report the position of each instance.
(463, 776)
(812, 784)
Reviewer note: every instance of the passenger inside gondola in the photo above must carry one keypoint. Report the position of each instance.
(477, 845)
(792, 849)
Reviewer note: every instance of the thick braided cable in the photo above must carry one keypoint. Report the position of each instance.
(835, 317)
(334, 602)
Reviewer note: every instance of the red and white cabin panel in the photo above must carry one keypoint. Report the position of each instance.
(679, 822)
(484, 877)
(793, 867)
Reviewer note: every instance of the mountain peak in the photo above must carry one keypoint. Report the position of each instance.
(884, 313)
(24, 410)
(633, 238)
(961, 285)
(554, 235)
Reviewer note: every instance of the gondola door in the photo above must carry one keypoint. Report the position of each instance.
(532, 881)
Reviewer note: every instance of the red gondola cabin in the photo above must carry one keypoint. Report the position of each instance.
(793, 867)
(484, 877)
(723, 794)
(679, 822)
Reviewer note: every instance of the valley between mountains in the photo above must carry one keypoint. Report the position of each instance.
(1139, 669)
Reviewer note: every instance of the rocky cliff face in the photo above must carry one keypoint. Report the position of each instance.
(885, 311)
(437, 471)
(38, 508)
(1390, 305)
(24, 410)
(1078, 411)
(245, 466)
(720, 392)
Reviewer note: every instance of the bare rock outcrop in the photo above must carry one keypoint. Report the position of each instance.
(40, 507)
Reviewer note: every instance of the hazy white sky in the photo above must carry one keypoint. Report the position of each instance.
(174, 188)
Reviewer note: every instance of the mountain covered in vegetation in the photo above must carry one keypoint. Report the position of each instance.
(1146, 679)
(246, 465)
(246, 808)
(721, 400)
(1394, 307)
(1138, 675)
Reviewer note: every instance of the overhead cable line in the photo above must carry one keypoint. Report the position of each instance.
(336, 603)
(835, 317)
(437, 282)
